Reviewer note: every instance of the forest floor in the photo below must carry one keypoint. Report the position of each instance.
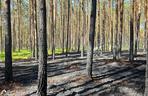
(66, 77)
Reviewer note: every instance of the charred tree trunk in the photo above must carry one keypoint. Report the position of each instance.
(8, 43)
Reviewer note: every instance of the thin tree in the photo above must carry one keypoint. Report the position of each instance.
(19, 24)
(91, 39)
(115, 49)
(8, 43)
(138, 16)
(121, 25)
(42, 35)
(1, 31)
(131, 56)
(68, 25)
(84, 28)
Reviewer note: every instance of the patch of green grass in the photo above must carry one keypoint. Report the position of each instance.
(23, 54)
(57, 51)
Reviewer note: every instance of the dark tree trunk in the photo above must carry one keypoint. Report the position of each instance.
(91, 39)
(131, 56)
(42, 36)
(99, 26)
(63, 29)
(115, 49)
(8, 43)
(138, 16)
(68, 23)
(53, 28)
(121, 25)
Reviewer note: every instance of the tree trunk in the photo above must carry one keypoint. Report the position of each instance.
(138, 15)
(68, 23)
(131, 56)
(99, 26)
(1, 30)
(84, 28)
(36, 30)
(121, 25)
(19, 25)
(91, 39)
(8, 43)
(115, 49)
(103, 27)
(42, 71)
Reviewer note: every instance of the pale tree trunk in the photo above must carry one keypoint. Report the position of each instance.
(8, 43)
(91, 39)
(110, 24)
(42, 70)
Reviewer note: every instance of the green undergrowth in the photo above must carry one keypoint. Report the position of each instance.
(17, 55)
(24, 54)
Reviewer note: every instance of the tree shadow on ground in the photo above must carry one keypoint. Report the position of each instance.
(109, 77)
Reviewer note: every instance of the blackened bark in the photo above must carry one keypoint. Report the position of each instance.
(8, 43)
(131, 56)
(91, 39)
(68, 23)
(42, 36)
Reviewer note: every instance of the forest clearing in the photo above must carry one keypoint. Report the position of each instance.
(73, 47)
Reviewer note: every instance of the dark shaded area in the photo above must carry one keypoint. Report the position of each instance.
(108, 77)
